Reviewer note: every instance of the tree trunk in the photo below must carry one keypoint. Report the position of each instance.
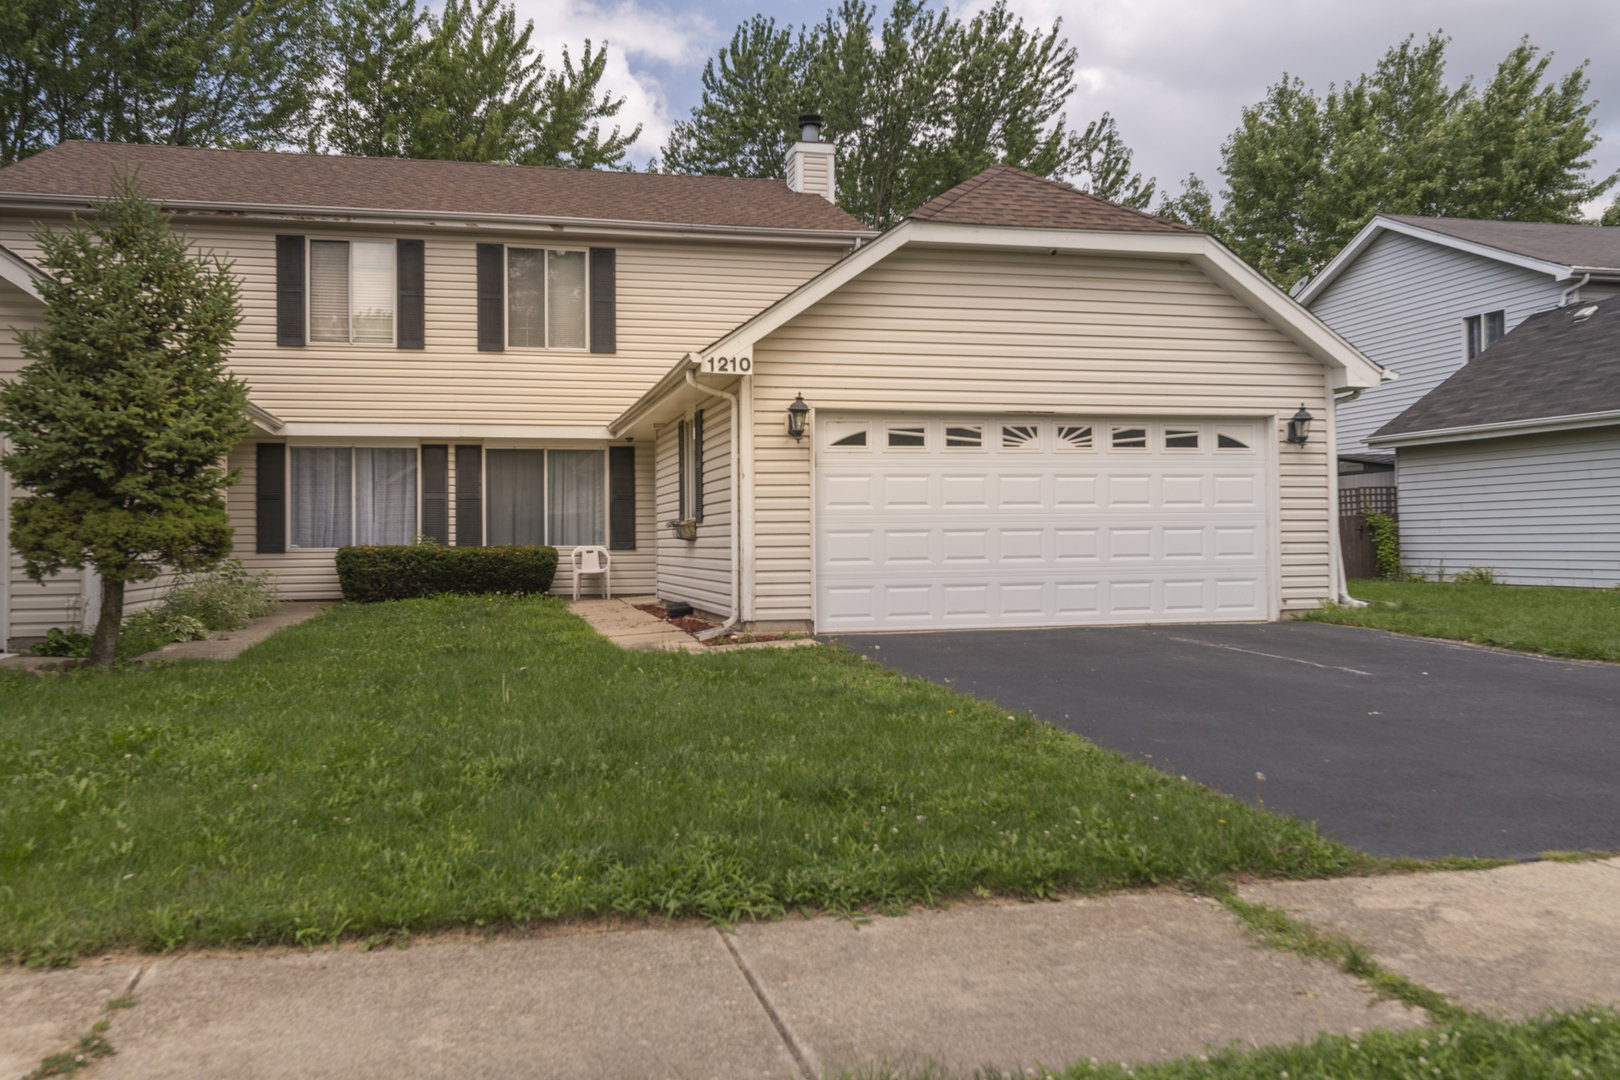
(104, 648)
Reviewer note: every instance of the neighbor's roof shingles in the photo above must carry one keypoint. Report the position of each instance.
(1568, 245)
(1550, 365)
(1003, 195)
(257, 178)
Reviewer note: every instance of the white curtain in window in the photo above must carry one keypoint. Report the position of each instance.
(322, 508)
(576, 496)
(329, 290)
(525, 298)
(385, 494)
(374, 290)
(515, 492)
(566, 299)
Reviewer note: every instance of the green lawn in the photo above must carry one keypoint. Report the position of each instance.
(427, 763)
(1579, 623)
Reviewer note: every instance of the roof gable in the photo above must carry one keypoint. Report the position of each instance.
(179, 175)
(1550, 365)
(1003, 195)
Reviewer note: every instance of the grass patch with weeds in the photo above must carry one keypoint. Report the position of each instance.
(1582, 624)
(483, 761)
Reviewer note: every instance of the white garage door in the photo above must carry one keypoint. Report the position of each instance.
(928, 522)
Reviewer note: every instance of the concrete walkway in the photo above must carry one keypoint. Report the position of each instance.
(980, 985)
(218, 645)
(621, 622)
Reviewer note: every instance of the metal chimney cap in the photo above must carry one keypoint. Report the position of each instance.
(810, 127)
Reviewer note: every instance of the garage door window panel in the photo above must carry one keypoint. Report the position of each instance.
(964, 437)
(1234, 438)
(1128, 438)
(1074, 437)
(1181, 438)
(1025, 437)
(847, 434)
(907, 436)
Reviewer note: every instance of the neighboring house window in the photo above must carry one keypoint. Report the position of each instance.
(352, 495)
(546, 496)
(546, 302)
(1483, 331)
(352, 288)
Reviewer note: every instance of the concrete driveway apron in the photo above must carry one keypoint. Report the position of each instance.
(1397, 745)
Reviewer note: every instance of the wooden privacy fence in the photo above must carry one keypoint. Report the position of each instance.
(1360, 557)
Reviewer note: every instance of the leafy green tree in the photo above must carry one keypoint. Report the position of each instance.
(377, 49)
(1304, 174)
(916, 103)
(1611, 216)
(119, 423)
(480, 83)
(570, 129)
(751, 102)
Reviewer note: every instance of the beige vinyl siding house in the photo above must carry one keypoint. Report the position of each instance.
(998, 346)
(1026, 405)
(686, 260)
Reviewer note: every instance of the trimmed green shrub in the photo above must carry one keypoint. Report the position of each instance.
(369, 573)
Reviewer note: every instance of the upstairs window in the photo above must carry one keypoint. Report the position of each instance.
(352, 286)
(1483, 331)
(546, 302)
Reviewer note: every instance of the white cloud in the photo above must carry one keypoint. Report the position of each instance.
(648, 44)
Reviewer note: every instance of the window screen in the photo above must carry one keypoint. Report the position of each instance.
(515, 488)
(385, 494)
(576, 490)
(565, 306)
(329, 290)
(322, 496)
(373, 290)
(526, 298)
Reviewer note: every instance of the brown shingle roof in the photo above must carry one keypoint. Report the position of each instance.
(1003, 195)
(1568, 245)
(187, 174)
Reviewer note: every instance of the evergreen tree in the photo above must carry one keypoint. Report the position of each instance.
(119, 423)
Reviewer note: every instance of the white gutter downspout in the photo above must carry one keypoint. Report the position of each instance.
(736, 509)
(1563, 300)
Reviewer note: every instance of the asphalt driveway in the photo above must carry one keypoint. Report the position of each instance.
(1396, 745)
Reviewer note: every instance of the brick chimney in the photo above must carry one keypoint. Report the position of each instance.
(810, 161)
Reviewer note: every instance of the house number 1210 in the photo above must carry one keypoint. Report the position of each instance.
(728, 365)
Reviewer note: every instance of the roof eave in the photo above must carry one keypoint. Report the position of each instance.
(1369, 232)
(1470, 432)
(21, 273)
(509, 222)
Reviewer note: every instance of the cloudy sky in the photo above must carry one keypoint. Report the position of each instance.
(1175, 73)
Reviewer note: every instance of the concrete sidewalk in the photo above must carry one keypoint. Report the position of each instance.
(976, 986)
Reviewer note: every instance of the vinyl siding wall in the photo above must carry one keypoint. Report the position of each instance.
(1403, 303)
(983, 332)
(672, 296)
(1541, 509)
(312, 575)
(697, 571)
(28, 609)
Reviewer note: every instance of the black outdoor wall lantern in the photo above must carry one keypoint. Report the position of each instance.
(1299, 428)
(796, 414)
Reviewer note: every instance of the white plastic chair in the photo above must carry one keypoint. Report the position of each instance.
(592, 560)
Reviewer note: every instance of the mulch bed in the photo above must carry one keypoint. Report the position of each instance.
(694, 626)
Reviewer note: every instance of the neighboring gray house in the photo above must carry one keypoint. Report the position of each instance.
(1514, 461)
(1424, 295)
